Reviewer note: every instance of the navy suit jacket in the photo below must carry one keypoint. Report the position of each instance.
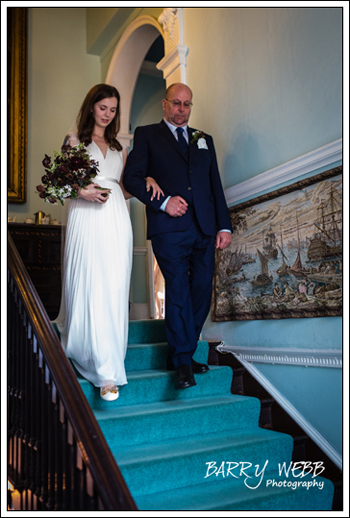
(195, 178)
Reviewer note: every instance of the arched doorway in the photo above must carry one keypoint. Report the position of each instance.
(141, 87)
(126, 63)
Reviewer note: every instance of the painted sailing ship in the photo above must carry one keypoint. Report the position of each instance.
(263, 279)
(284, 268)
(247, 258)
(235, 264)
(269, 244)
(327, 241)
(298, 270)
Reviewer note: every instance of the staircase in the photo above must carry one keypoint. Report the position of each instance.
(174, 447)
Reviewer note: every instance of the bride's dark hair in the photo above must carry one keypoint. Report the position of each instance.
(86, 121)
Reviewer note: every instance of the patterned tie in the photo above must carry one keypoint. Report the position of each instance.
(182, 141)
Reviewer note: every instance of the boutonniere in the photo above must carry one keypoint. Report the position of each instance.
(199, 137)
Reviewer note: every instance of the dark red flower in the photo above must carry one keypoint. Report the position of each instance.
(74, 164)
(65, 168)
(47, 161)
(77, 163)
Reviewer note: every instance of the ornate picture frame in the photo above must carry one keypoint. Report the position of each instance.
(285, 259)
(17, 31)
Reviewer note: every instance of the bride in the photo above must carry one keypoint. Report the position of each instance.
(94, 313)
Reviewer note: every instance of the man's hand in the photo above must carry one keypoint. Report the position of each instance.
(176, 206)
(223, 239)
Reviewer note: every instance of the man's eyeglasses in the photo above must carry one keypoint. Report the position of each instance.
(177, 104)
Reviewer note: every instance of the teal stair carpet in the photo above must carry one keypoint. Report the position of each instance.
(200, 448)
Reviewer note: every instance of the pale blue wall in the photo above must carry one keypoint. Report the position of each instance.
(268, 86)
(267, 83)
(304, 333)
(316, 392)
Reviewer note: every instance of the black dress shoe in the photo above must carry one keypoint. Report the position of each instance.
(197, 368)
(184, 377)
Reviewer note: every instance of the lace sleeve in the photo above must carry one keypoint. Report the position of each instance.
(71, 139)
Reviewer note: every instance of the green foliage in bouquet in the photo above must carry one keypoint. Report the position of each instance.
(71, 170)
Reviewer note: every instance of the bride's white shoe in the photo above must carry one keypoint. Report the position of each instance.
(109, 393)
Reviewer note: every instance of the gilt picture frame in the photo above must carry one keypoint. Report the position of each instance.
(286, 257)
(17, 30)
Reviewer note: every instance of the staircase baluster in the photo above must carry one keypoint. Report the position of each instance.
(57, 427)
(36, 420)
(64, 456)
(41, 431)
(42, 445)
(51, 441)
(70, 460)
(26, 405)
(29, 406)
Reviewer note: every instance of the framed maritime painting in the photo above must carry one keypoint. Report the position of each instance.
(286, 255)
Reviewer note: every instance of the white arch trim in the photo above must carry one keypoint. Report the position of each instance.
(126, 63)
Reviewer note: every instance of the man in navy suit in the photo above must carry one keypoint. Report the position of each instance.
(184, 225)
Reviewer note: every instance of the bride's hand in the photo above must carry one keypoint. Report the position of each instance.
(89, 193)
(157, 191)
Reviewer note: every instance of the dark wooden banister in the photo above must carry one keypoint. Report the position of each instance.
(110, 485)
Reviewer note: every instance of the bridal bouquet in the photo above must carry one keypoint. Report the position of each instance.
(71, 170)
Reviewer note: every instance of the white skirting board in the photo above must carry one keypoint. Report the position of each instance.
(286, 405)
(139, 311)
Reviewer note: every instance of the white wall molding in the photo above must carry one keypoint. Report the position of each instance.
(300, 166)
(293, 412)
(174, 64)
(286, 356)
(169, 20)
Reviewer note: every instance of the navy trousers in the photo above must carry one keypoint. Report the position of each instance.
(186, 259)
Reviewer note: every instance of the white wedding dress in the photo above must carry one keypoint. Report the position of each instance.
(94, 313)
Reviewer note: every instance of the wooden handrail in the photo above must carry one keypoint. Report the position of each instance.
(108, 480)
